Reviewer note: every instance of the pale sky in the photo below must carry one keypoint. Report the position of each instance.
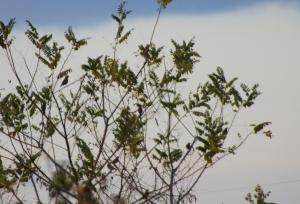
(259, 42)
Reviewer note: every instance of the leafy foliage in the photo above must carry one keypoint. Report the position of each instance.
(122, 14)
(70, 36)
(260, 126)
(116, 128)
(260, 196)
(164, 3)
(5, 30)
(184, 56)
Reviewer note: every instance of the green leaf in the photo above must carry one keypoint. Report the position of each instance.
(268, 133)
(121, 6)
(175, 155)
(70, 36)
(85, 149)
(184, 56)
(202, 149)
(203, 140)
(125, 37)
(64, 73)
(32, 110)
(164, 3)
(116, 18)
(259, 127)
(200, 131)
(229, 84)
(158, 141)
(203, 104)
(198, 113)
(6, 30)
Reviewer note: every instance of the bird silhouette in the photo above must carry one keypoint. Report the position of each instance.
(115, 160)
(188, 146)
(146, 194)
(43, 107)
(110, 167)
(225, 132)
(140, 110)
(146, 49)
(65, 81)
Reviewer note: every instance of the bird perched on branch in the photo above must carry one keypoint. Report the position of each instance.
(146, 194)
(103, 181)
(43, 107)
(225, 132)
(110, 167)
(146, 49)
(115, 160)
(140, 110)
(65, 81)
(188, 146)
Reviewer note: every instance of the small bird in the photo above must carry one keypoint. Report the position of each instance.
(146, 194)
(65, 81)
(110, 167)
(146, 49)
(188, 146)
(43, 107)
(225, 132)
(140, 110)
(115, 160)
(103, 181)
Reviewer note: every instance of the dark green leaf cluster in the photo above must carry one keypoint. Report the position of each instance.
(66, 103)
(214, 135)
(12, 114)
(161, 154)
(52, 54)
(184, 56)
(106, 93)
(164, 3)
(95, 66)
(173, 157)
(8, 177)
(35, 98)
(5, 30)
(25, 166)
(38, 102)
(260, 196)
(164, 139)
(23, 170)
(152, 54)
(110, 71)
(212, 132)
(128, 132)
(122, 14)
(70, 36)
(94, 112)
(168, 157)
(261, 126)
(250, 95)
(88, 160)
(225, 91)
(172, 106)
(64, 73)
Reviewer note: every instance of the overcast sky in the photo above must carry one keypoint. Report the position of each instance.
(258, 41)
(94, 12)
